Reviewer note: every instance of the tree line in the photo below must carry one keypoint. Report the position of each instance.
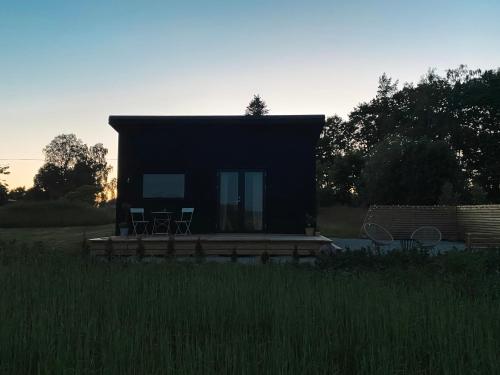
(72, 170)
(434, 142)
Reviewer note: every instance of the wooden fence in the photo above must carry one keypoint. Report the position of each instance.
(454, 222)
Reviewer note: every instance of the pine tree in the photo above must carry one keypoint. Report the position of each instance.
(257, 107)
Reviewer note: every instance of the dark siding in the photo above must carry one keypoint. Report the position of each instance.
(282, 146)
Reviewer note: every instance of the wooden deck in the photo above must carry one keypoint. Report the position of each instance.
(213, 244)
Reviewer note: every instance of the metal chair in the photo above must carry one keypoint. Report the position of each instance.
(161, 219)
(378, 234)
(185, 221)
(427, 236)
(137, 215)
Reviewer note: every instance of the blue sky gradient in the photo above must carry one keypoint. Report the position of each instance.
(65, 66)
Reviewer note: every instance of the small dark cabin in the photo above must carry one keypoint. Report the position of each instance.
(241, 173)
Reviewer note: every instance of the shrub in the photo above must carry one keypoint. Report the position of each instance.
(198, 250)
(234, 256)
(171, 247)
(108, 249)
(85, 245)
(295, 254)
(141, 251)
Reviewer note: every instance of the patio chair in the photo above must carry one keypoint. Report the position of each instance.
(427, 236)
(378, 234)
(184, 224)
(138, 221)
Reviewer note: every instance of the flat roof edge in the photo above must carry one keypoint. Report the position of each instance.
(119, 121)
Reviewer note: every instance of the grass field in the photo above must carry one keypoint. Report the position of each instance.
(64, 314)
(67, 239)
(54, 213)
(341, 221)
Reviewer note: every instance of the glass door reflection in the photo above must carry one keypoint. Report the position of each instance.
(229, 202)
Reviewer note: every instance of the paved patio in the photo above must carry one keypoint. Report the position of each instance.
(358, 243)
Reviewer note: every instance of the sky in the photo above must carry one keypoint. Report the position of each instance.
(65, 66)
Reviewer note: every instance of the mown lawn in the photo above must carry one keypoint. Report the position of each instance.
(341, 221)
(68, 314)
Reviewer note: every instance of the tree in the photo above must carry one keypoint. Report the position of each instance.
(69, 165)
(461, 108)
(18, 193)
(405, 171)
(4, 170)
(35, 193)
(83, 194)
(53, 180)
(448, 196)
(475, 103)
(108, 194)
(346, 176)
(338, 164)
(3, 194)
(372, 121)
(257, 107)
(65, 151)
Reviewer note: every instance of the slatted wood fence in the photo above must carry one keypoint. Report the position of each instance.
(478, 225)
(401, 221)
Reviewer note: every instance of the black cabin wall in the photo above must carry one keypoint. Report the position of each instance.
(284, 151)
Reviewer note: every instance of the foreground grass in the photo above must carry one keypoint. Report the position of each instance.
(65, 314)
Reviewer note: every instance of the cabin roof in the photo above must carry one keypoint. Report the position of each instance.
(125, 122)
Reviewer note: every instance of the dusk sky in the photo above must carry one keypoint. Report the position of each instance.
(66, 66)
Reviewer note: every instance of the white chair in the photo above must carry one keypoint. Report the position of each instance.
(427, 236)
(138, 220)
(185, 221)
(378, 234)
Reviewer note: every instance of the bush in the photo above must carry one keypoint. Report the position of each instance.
(462, 263)
(109, 249)
(141, 251)
(199, 253)
(171, 247)
(234, 256)
(56, 213)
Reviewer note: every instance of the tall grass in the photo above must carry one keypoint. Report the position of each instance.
(54, 213)
(64, 314)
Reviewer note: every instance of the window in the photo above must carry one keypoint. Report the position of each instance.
(163, 186)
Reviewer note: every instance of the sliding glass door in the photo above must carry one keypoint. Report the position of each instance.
(241, 201)
(253, 207)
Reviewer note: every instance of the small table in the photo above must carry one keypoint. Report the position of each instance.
(161, 219)
(408, 244)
